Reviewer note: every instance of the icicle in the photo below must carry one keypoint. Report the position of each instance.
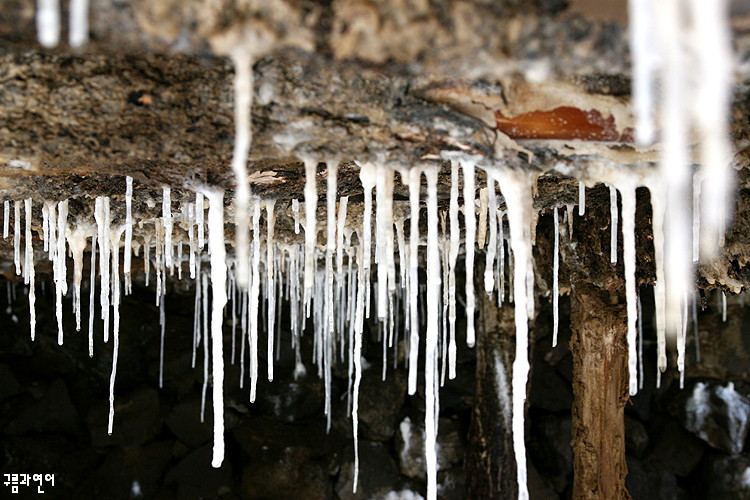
(128, 250)
(295, 214)
(197, 319)
(453, 246)
(696, 216)
(445, 299)
(114, 238)
(555, 284)
(415, 177)
(28, 250)
(384, 236)
(311, 233)
(340, 228)
(48, 22)
(681, 342)
(162, 326)
(199, 213)
(712, 47)
(516, 189)
(657, 209)
(6, 218)
(489, 281)
(613, 217)
(627, 191)
(147, 257)
(103, 223)
(218, 285)
(328, 328)
(501, 264)
(92, 295)
(191, 238)
(367, 174)
(431, 335)
(179, 260)
(675, 170)
(17, 236)
(78, 34)
(29, 269)
(470, 222)
(60, 271)
(696, 338)
(723, 306)
(357, 356)
(166, 214)
(159, 229)
(45, 227)
(645, 61)
(52, 229)
(270, 286)
(581, 198)
(233, 295)
(243, 102)
(77, 243)
(205, 337)
(253, 300)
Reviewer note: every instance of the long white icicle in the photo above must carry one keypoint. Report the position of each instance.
(453, 246)
(17, 236)
(128, 249)
(114, 238)
(415, 177)
(470, 221)
(311, 233)
(431, 335)
(555, 284)
(48, 22)
(270, 285)
(60, 272)
(516, 189)
(243, 101)
(218, 285)
(78, 34)
(711, 108)
(29, 269)
(627, 192)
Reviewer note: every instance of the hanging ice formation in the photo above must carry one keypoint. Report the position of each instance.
(338, 299)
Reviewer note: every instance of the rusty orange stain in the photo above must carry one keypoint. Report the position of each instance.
(564, 122)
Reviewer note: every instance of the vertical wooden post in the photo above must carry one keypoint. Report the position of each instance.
(600, 388)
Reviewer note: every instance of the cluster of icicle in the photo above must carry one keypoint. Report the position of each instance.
(336, 295)
(692, 37)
